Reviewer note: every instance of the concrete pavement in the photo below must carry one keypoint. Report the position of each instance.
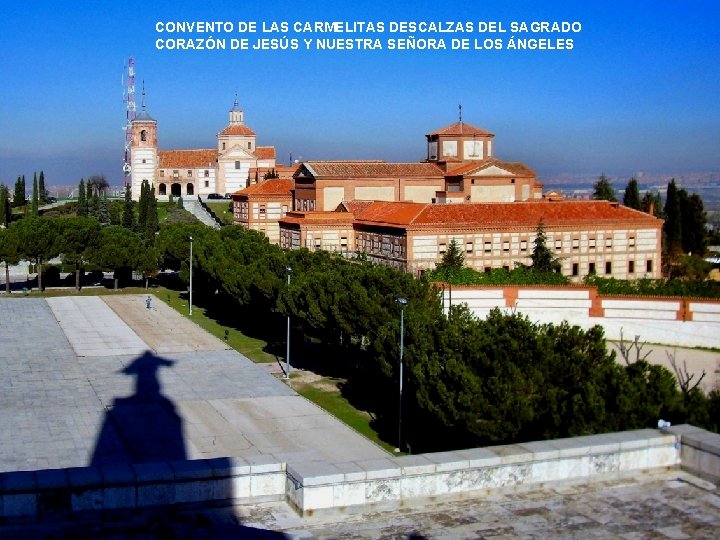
(71, 390)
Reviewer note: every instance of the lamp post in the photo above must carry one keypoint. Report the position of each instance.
(191, 265)
(403, 302)
(287, 339)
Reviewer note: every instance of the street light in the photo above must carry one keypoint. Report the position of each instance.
(403, 302)
(287, 340)
(191, 265)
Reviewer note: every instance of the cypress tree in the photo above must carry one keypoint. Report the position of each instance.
(603, 189)
(19, 196)
(672, 227)
(151, 222)
(5, 211)
(128, 217)
(35, 197)
(41, 188)
(631, 199)
(143, 207)
(82, 206)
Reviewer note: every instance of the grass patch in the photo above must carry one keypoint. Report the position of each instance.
(250, 347)
(222, 210)
(339, 407)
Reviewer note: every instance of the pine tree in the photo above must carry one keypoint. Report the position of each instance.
(101, 209)
(128, 217)
(94, 204)
(673, 225)
(452, 260)
(42, 192)
(82, 205)
(603, 189)
(631, 199)
(35, 198)
(693, 220)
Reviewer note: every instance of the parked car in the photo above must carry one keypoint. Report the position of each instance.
(214, 196)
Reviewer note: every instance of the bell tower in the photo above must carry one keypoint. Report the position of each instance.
(144, 149)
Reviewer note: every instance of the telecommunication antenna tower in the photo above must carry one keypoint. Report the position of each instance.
(129, 100)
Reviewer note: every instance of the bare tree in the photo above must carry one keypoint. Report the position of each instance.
(97, 184)
(683, 376)
(626, 350)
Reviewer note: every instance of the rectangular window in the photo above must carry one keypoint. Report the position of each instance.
(608, 267)
(558, 245)
(468, 247)
(249, 146)
(648, 266)
(591, 268)
(631, 241)
(488, 247)
(189, 172)
(506, 246)
(207, 173)
(237, 164)
(162, 172)
(176, 173)
(223, 146)
(631, 267)
(284, 209)
(442, 248)
(608, 242)
(575, 269)
(207, 183)
(523, 245)
(591, 243)
(144, 160)
(575, 244)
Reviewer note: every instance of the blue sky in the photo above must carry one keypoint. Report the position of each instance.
(638, 91)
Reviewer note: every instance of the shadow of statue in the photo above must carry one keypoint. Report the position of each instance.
(144, 427)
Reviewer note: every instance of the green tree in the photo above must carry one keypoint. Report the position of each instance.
(672, 229)
(693, 223)
(148, 263)
(19, 195)
(452, 260)
(652, 201)
(143, 207)
(5, 210)
(9, 252)
(603, 189)
(151, 216)
(38, 241)
(97, 184)
(128, 215)
(35, 196)
(82, 204)
(542, 258)
(631, 199)
(118, 249)
(78, 237)
(42, 191)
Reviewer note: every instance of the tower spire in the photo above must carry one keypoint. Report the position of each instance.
(143, 95)
(460, 115)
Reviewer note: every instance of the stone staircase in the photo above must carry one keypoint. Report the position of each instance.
(198, 209)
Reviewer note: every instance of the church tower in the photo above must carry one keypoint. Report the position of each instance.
(144, 149)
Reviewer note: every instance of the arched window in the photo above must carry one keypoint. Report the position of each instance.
(190, 189)
(162, 189)
(143, 135)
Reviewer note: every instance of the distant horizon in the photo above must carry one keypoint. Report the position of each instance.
(635, 93)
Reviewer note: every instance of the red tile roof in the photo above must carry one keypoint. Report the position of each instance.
(460, 128)
(265, 152)
(492, 215)
(318, 218)
(237, 129)
(353, 206)
(372, 169)
(514, 167)
(187, 159)
(273, 186)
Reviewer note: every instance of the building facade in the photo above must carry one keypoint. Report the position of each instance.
(233, 164)
(588, 237)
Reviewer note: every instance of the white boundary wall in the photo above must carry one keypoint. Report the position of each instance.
(668, 321)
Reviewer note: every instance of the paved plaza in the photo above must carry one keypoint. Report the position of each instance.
(93, 380)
